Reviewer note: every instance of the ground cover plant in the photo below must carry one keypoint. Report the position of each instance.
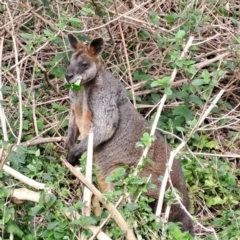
(197, 92)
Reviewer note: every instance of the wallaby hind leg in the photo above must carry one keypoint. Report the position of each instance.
(97, 209)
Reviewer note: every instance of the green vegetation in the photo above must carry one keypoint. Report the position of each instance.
(34, 53)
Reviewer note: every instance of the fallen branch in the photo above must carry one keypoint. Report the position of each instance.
(41, 140)
(23, 194)
(20, 195)
(22, 178)
(210, 61)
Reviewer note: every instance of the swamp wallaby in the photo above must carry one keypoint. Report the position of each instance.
(117, 126)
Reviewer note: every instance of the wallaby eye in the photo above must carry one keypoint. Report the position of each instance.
(84, 65)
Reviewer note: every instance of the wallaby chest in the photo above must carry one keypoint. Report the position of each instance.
(81, 112)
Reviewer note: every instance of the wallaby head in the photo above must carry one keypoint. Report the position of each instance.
(84, 62)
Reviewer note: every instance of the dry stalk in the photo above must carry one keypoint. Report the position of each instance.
(127, 59)
(18, 78)
(210, 61)
(42, 140)
(87, 194)
(2, 113)
(109, 206)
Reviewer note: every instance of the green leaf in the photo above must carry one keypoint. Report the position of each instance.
(139, 144)
(73, 87)
(5, 89)
(206, 76)
(49, 34)
(40, 123)
(29, 48)
(161, 82)
(131, 207)
(141, 76)
(74, 20)
(79, 205)
(27, 36)
(195, 99)
(180, 34)
(58, 107)
(13, 227)
(37, 154)
(3, 103)
(143, 35)
(36, 210)
(154, 18)
(155, 84)
(197, 82)
(52, 225)
(212, 201)
(120, 171)
(181, 129)
(26, 124)
(183, 111)
(58, 235)
(146, 140)
(58, 71)
(78, 82)
(209, 183)
(42, 199)
(191, 69)
(51, 201)
(84, 220)
(212, 144)
(168, 91)
(170, 18)
(155, 97)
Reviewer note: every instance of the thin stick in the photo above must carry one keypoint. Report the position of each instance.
(109, 206)
(87, 194)
(210, 61)
(2, 113)
(165, 178)
(18, 78)
(127, 59)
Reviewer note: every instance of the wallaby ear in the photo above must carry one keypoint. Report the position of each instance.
(74, 42)
(96, 46)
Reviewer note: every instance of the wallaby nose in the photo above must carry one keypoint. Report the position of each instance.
(68, 76)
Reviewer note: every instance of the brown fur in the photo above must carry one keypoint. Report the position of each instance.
(116, 125)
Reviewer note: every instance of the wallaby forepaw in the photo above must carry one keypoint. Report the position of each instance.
(73, 157)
